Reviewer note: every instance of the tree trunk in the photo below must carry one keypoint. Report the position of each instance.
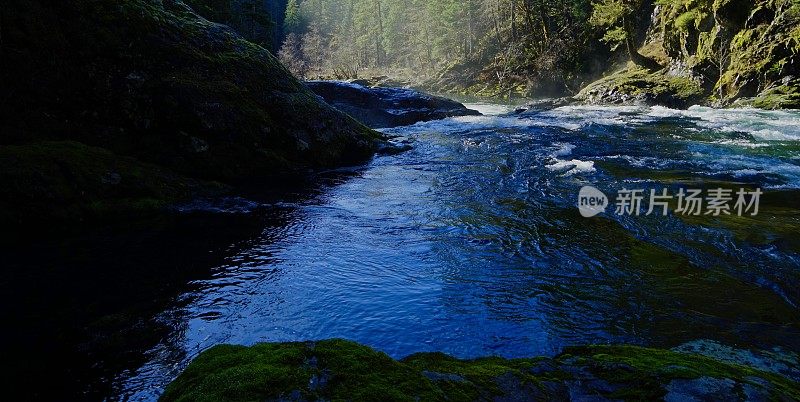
(379, 38)
(513, 21)
(630, 45)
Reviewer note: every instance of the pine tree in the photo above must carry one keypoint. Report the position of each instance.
(292, 22)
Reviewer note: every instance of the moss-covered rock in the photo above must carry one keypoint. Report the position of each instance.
(635, 85)
(60, 181)
(152, 91)
(153, 80)
(342, 370)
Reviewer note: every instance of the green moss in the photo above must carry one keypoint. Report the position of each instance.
(56, 181)
(687, 20)
(651, 366)
(341, 370)
(332, 370)
(786, 96)
(635, 85)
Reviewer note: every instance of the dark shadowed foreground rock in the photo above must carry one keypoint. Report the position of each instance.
(150, 86)
(342, 370)
(379, 107)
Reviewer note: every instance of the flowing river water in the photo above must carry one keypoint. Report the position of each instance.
(470, 243)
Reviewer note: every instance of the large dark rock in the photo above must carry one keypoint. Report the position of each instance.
(387, 107)
(152, 81)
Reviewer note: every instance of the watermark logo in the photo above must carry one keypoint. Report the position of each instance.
(689, 202)
(591, 201)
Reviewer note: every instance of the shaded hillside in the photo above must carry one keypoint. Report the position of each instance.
(153, 81)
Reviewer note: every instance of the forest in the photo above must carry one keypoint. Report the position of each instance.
(553, 44)
(507, 40)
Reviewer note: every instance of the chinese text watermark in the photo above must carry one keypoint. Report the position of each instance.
(690, 202)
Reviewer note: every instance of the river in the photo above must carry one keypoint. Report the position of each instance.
(470, 243)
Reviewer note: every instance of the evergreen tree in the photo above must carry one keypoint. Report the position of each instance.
(617, 17)
(292, 22)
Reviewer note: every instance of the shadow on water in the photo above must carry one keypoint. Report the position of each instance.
(83, 306)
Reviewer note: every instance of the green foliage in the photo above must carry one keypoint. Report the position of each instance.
(510, 39)
(608, 13)
(687, 20)
(292, 22)
(615, 37)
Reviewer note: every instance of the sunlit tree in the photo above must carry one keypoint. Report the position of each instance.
(617, 17)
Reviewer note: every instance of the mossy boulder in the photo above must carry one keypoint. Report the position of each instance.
(153, 80)
(635, 85)
(342, 370)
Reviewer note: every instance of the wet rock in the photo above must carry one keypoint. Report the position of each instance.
(387, 107)
(388, 148)
(149, 86)
(513, 389)
(546, 104)
(701, 389)
(638, 86)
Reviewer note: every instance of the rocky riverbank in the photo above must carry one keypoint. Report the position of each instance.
(721, 53)
(343, 370)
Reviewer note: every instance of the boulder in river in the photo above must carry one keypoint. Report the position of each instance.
(387, 107)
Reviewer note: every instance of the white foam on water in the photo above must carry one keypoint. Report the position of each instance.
(741, 143)
(455, 124)
(490, 109)
(644, 161)
(572, 167)
(741, 166)
(765, 125)
(564, 149)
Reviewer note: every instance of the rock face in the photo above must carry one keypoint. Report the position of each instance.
(720, 52)
(342, 370)
(152, 81)
(386, 107)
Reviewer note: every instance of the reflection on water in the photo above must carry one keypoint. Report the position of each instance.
(471, 244)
